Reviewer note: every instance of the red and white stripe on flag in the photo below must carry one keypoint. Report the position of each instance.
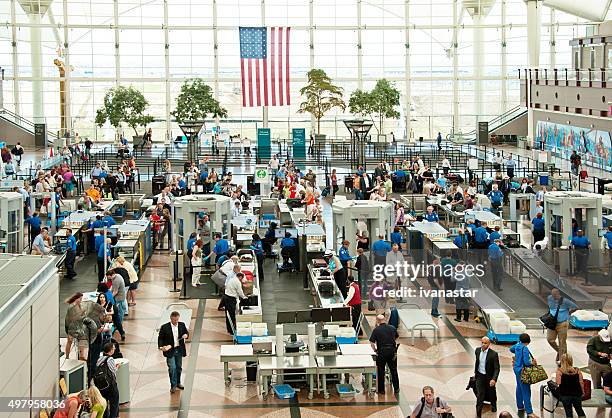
(266, 80)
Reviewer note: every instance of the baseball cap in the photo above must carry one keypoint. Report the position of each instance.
(328, 253)
(604, 335)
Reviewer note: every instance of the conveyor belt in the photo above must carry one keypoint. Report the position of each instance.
(549, 278)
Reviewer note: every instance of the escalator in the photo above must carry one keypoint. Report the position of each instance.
(18, 129)
(494, 124)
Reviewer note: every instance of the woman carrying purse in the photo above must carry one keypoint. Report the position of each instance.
(571, 384)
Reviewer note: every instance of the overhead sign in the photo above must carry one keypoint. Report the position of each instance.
(299, 146)
(264, 145)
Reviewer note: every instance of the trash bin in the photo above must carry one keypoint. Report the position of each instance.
(251, 371)
(543, 179)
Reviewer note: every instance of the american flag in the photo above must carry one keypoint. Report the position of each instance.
(265, 78)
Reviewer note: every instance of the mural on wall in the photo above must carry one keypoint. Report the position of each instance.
(595, 147)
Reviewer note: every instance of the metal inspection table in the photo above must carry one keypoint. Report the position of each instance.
(416, 319)
(238, 353)
(281, 365)
(347, 364)
(356, 349)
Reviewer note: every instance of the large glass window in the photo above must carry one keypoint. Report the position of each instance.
(201, 35)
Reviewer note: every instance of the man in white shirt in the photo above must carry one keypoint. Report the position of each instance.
(40, 246)
(233, 291)
(446, 166)
(173, 348)
(540, 194)
(236, 209)
(395, 258)
(274, 164)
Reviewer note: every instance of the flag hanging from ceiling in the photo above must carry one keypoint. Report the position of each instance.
(264, 66)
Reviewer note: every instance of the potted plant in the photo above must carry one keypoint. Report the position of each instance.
(321, 96)
(381, 101)
(124, 105)
(193, 105)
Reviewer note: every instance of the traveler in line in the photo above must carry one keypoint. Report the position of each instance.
(599, 349)
(384, 342)
(565, 308)
(522, 359)
(571, 384)
(486, 371)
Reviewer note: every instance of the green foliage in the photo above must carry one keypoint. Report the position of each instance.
(196, 101)
(321, 96)
(381, 101)
(124, 105)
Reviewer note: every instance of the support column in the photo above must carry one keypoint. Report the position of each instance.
(504, 60)
(312, 63)
(407, 75)
(15, 60)
(553, 40)
(454, 51)
(38, 112)
(359, 50)
(534, 21)
(117, 56)
(263, 23)
(68, 73)
(478, 59)
(167, 75)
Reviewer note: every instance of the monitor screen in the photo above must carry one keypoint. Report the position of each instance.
(285, 317)
(303, 316)
(341, 314)
(279, 233)
(321, 315)
(293, 232)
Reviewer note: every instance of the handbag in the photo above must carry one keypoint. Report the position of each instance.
(550, 321)
(583, 174)
(533, 374)
(586, 389)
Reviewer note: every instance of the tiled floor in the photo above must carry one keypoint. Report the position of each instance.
(446, 366)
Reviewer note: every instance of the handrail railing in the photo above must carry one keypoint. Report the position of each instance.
(26, 124)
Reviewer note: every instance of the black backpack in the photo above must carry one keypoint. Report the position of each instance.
(104, 378)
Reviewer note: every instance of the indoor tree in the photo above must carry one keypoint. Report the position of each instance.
(321, 96)
(124, 105)
(380, 102)
(195, 102)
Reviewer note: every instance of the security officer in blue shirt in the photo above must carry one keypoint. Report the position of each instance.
(99, 240)
(343, 254)
(108, 220)
(221, 247)
(380, 249)
(494, 235)
(461, 240)
(496, 260)
(71, 247)
(581, 245)
(104, 253)
(34, 222)
(257, 247)
(538, 228)
(430, 215)
(191, 243)
(496, 197)
(288, 248)
(396, 237)
(98, 223)
(481, 240)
